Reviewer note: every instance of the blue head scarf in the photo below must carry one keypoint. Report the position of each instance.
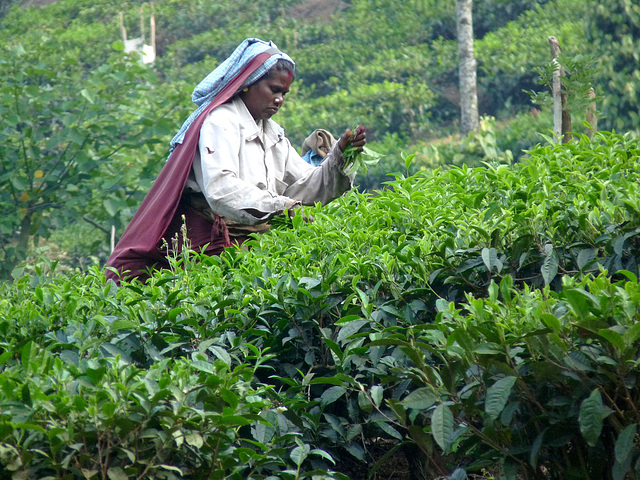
(213, 83)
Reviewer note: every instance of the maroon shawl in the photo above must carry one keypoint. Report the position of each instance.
(161, 210)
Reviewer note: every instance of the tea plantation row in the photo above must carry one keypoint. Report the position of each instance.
(481, 320)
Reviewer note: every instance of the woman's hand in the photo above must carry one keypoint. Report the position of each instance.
(356, 138)
(300, 211)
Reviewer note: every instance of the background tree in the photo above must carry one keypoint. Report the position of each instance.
(468, 89)
(66, 139)
(613, 30)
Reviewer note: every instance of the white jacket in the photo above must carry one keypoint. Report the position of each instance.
(248, 174)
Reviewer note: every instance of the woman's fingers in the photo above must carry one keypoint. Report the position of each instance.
(357, 138)
(344, 140)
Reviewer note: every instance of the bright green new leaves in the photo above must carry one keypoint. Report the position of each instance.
(360, 161)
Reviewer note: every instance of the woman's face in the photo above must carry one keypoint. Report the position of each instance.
(264, 98)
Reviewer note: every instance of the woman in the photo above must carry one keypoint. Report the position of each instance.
(231, 168)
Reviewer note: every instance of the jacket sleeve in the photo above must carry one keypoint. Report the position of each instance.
(323, 183)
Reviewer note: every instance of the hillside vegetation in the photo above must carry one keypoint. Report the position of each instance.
(471, 311)
(85, 128)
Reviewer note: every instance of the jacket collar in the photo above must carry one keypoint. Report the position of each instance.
(273, 132)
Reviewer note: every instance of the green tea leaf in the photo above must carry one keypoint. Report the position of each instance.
(171, 468)
(350, 329)
(221, 353)
(580, 300)
(356, 161)
(332, 394)
(194, 439)
(551, 321)
(632, 334)
(625, 442)
(323, 454)
(408, 159)
(398, 409)
(550, 264)
(585, 257)
(122, 324)
(117, 473)
(299, 454)
(535, 450)
(612, 337)
(389, 430)
(85, 93)
(377, 392)
(420, 399)
(458, 474)
(203, 366)
(591, 416)
(497, 396)
(490, 258)
(442, 426)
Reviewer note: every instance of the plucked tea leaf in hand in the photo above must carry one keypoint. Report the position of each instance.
(360, 160)
(355, 160)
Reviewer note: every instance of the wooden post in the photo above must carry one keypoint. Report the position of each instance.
(123, 30)
(141, 24)
(152, 22)
(561, 113)
(592, 119)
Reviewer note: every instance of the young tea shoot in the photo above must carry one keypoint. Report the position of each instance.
(356, 160)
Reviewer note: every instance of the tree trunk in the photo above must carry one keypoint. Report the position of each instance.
(25, 233)
(468, 88)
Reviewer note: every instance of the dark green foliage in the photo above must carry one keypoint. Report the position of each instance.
(67, 142)
(614, 30)
(479, 313)
(485, 317)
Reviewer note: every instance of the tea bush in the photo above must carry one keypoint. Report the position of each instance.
(472, 317)
(388, 66)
